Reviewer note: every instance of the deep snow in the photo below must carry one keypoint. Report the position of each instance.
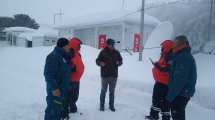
(22, 87)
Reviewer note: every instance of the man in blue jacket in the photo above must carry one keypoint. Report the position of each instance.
(57, 74)
(183, 77)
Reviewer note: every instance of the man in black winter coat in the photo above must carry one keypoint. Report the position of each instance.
(109, 60)
(183, 76)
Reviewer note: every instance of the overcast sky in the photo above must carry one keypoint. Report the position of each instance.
(44, 10)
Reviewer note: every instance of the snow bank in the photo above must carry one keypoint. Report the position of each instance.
(205, 83)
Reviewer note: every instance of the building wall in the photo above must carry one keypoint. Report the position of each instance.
(114, 32)
(90, 36)
(37, 41)
(3, 36)
(131, 30)
(21, 42)
(49, 41)
(87, 36)
(67, 32)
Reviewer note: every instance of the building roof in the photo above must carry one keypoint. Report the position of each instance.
(18, 29)
(105, 18)
(39, 33)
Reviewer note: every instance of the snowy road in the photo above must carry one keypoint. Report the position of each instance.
(22, 88)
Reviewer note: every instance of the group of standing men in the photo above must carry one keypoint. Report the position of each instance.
(63, 70)
(175, 78)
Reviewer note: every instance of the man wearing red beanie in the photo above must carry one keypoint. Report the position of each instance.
(77, 66)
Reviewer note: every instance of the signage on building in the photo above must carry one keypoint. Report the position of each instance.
(136, 47)
(102, 41)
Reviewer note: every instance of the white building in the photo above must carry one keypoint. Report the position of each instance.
(25, 37)
(13, 32)
(36, 39)
(121, 26)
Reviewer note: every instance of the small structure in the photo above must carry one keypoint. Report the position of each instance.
(13, 32)
(38, 38)
(26, 37)
(122, 26)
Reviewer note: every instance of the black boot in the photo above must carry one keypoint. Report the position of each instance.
(73, 108)
(102, 107)
(165, 115)
(154, 114)
(111, 103)
(112, 108)
(151, 118)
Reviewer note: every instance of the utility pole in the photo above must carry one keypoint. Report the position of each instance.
(210, 19)
(58, 14)
(123, 4)
(142, 31)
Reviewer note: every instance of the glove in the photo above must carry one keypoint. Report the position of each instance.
(56, 93)
(102, 64)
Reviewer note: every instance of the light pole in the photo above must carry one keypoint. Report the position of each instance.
(56, 14)
(123, 4)
(210, 20)
(142, 31)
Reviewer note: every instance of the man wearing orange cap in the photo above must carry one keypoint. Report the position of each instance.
(77, 66)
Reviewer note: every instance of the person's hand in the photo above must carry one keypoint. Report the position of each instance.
(56, 93)
(102, 64)
(118, 63)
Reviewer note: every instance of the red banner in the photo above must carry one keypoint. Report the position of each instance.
(102, 41)
(136, 47)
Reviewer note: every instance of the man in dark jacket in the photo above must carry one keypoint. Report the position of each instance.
(109, 60)
(183, 77)
(57, 75)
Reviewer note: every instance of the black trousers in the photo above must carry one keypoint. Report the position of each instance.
(73, 96)
(159, 102)
(178, 107)
(111, 83)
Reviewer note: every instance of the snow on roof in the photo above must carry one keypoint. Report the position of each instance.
(39, 33)
(18, 29)
(109, 17)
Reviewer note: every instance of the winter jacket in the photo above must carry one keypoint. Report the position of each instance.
(160, 71)
(161, 68)
(183, 74)
(56, 71)
(112, 60)
(76, 60)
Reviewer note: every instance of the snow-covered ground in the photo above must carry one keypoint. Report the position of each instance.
(22, 86)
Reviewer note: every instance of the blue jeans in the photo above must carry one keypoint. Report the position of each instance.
(111, 83)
